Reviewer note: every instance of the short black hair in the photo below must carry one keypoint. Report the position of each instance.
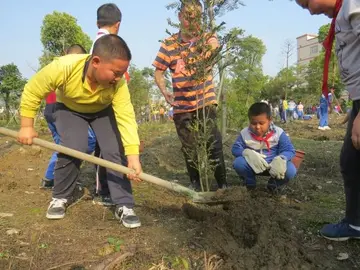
(185, 3)
(108, 15)
(112, 47)
(76, 48)
(259, 108)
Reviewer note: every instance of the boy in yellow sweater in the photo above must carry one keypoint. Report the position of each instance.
(91, 91)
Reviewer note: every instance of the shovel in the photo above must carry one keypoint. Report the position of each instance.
(197, 197)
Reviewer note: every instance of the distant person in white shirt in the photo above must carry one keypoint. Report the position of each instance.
(291, 109)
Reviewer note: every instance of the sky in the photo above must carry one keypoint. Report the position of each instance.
(144, 24)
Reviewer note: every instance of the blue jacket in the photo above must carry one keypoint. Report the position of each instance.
(280, 144)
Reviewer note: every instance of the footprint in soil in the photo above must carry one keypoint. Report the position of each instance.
(321, 138)
(245, 232)
(12, 185)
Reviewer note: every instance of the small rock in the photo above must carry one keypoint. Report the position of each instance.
(293, 227)
(6, 215)
(329, 182)
(22, 255)
(319, 187)
(29, 192)
(12, 231)
(316, 247)
(342, 256)
(21, 243)
(300, 232)
(30, 169)
(297, 201)
(330, 247)
(7, 142)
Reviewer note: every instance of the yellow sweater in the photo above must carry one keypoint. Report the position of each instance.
(65, 74)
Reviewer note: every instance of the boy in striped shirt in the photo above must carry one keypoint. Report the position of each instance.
(190, 99)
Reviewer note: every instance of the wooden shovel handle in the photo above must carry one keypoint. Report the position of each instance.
(104, 163)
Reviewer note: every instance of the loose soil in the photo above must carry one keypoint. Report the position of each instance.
(251, 230)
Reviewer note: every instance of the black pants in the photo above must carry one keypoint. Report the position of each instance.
(73, 130)
(350, 169)
(184, 123)
(102, 187)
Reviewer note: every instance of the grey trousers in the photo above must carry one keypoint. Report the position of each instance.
(73, 131)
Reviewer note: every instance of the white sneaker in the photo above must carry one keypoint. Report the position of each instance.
(321, 128)
(56, 209)
(127, 216)
(327, 128)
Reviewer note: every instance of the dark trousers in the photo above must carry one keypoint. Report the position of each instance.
(72, 128)
(350, 169)
(101, 187)
(184, 123)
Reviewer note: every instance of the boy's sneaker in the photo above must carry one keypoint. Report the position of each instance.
(321, 128)
(127, 216)
(46, 183)
(339, 232)
(103, 200)
(327, 128)
(57, 209)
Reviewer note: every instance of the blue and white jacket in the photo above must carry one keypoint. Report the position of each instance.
(279, 142)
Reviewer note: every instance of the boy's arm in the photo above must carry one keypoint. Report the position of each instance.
(238, 147)
(125, 118)
(286, 148)
(41, 84)
(162, 63)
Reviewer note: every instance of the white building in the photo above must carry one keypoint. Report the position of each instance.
(308, 47)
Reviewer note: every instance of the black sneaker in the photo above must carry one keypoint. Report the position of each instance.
(103, 200)
(127, 216)
(56, 209)
(46, 183)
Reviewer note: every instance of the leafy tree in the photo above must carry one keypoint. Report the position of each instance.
(59, 31)
(139, 88)
(11, 85)
(323, 31)
(247, 79)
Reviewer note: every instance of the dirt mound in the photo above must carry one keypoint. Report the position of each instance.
(251, 232)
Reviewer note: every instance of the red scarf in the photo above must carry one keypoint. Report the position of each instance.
(328, 42)
(263, 139)
(127, 77)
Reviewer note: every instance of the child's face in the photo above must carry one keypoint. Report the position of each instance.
(108, 73)
(317, 7)
(260, 124)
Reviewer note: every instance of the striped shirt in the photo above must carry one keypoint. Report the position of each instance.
(189, 95)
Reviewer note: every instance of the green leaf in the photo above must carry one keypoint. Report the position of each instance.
(111, 240)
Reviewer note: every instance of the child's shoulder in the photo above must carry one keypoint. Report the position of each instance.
(72, 59)
(244, 131)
